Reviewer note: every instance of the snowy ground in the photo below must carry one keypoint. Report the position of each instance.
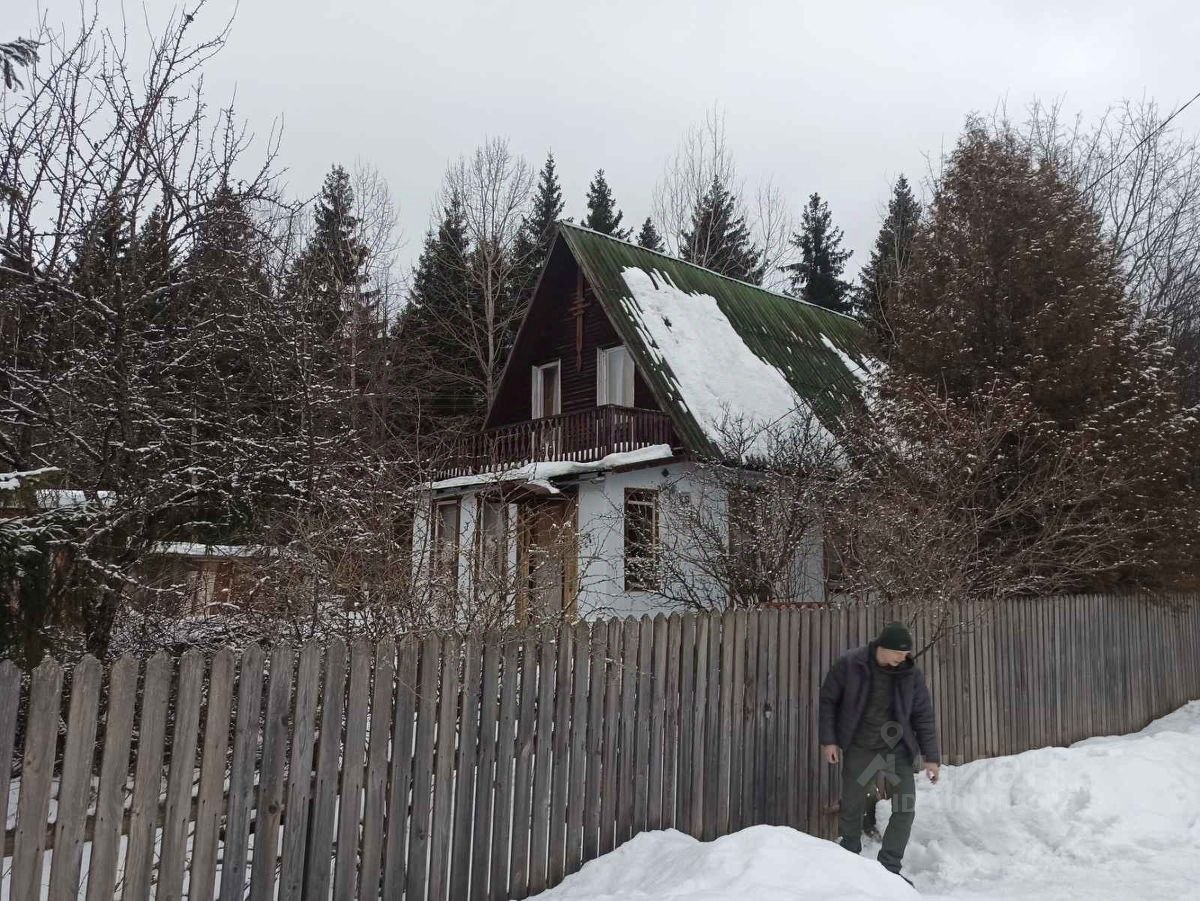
(1115, 817)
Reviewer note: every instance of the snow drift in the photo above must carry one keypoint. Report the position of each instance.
(1115, 817)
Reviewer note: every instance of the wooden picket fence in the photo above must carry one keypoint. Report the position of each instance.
(495, 766)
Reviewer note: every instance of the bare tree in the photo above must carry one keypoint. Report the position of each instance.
(115, 171)
(1142, 176)
(703, 158)
(494, 186)
(944, 501)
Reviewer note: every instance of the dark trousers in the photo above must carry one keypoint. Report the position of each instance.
(859, 770)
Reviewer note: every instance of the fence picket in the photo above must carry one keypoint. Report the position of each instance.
(179, 783)
(75, 787)
(506, 763)
(323, 806)
(645, 705)
(400, 772)
(464, 773)
(300, 773)
(671, 716)
(241, 773)
(561, 749)
(443, 783)
(147, 781)
(577, 781)
(612, 726)
(210, 794)
(33, 804)
(658, 703)
(269, 808)
(695, 827)
(542, 762)
(353, 764)
(371, 862)
(487, 776)
(10, 702)
(518, 879)
(114, 767)
(422, 783)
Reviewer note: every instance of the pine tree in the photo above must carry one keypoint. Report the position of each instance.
(719, 238)
(533, 243)
(817, 278)
(603, 215)
(889, 260)
(649, 237)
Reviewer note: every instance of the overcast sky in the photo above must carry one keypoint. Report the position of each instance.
(836, 97)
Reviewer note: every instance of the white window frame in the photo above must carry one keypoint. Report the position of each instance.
(643, 573)
(536, 408)
(603, 357)
(446, 546)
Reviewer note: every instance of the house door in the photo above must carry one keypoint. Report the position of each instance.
(548, 559)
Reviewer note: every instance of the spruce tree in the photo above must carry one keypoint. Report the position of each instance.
(1011, 283)
(431, 370)
(649, 237)
(817, 278)
(533, 243)
(719, 239)
(330, 271)
(603, 215)
(889, 260)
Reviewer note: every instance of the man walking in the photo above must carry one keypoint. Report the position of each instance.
(875, 717)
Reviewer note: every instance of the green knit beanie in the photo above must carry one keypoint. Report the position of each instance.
(895, 637)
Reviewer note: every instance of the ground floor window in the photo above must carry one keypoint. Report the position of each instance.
(641, 540)
(492, 548)
(445, 538)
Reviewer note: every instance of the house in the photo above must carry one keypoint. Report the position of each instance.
(623, 382)
(202, 577)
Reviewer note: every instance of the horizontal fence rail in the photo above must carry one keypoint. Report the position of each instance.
(492, 767)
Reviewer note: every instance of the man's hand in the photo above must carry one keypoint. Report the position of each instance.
(931, 769)
(831, 753)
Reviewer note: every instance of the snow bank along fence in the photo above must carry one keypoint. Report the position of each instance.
(491, 768)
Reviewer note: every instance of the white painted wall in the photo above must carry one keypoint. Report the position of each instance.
(602, 540)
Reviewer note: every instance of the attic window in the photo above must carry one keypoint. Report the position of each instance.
(614, 376)
(547, 391)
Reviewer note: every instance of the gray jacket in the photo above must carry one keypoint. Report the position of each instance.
(844, 696)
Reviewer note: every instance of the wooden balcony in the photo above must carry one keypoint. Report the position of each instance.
(582, 437)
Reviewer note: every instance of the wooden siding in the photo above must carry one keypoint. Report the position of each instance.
(548, 334)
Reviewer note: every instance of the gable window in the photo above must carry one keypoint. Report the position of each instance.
(547, 390)
(445, 539)
(641, 539)
(614, 376)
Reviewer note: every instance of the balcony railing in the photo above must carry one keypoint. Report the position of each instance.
(582, 437)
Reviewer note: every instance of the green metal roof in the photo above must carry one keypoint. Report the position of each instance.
(797, 338)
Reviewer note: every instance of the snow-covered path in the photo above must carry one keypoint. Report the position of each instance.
(1116, 817)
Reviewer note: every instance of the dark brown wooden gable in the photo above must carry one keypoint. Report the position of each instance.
(550, 333)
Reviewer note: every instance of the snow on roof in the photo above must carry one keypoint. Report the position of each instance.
(852, 365)
(716, 374)
(541, 473)
(198, 549)
(12, 481)
(58, 498)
